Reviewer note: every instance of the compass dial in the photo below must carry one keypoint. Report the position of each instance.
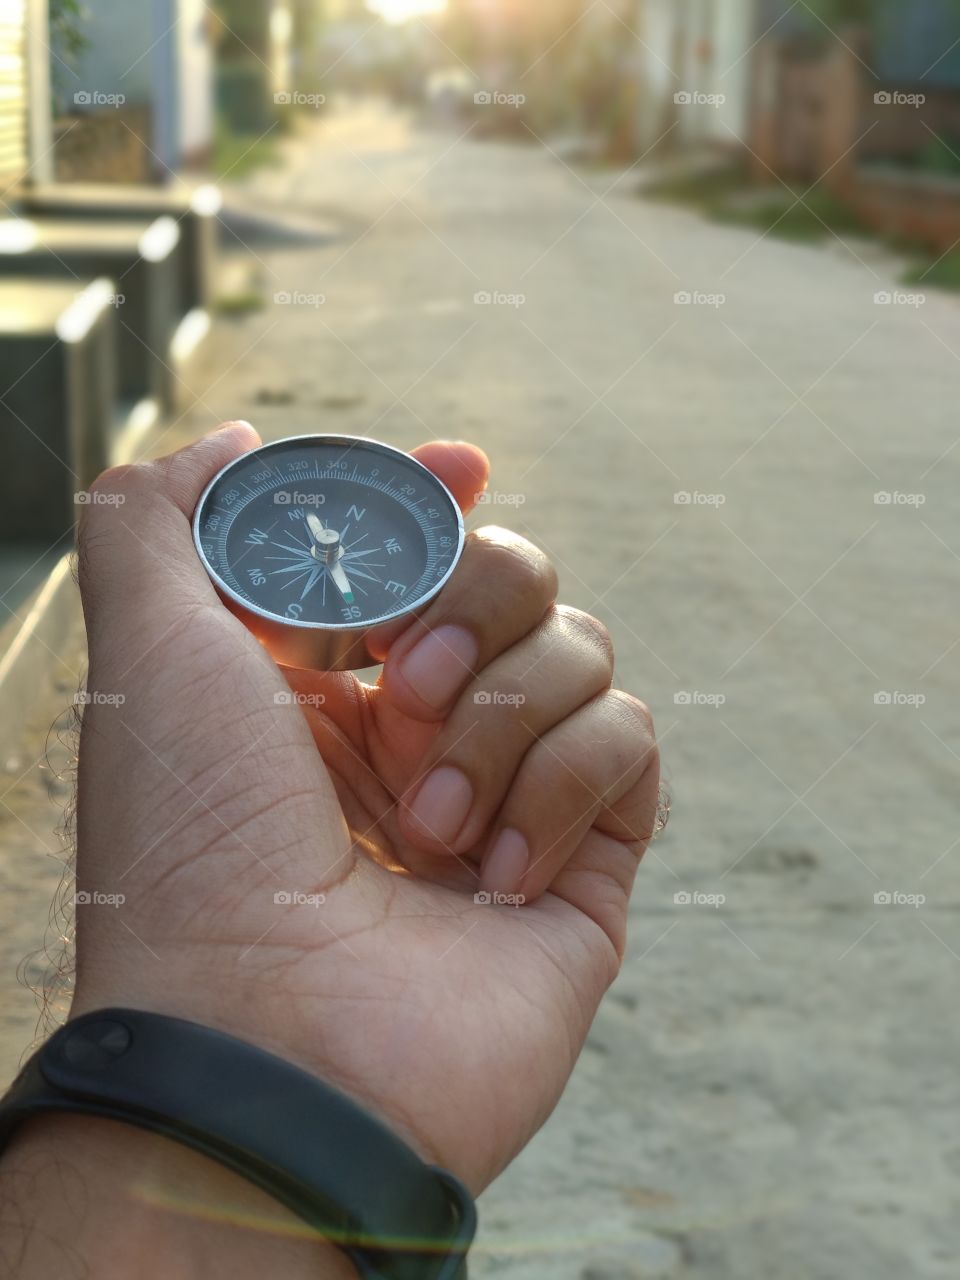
(328, 532)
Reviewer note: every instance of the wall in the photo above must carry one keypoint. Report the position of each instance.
(13, 92)
(195, 127)
(157, 55)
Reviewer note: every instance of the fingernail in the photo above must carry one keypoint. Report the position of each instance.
(505, 865)
(441, 805)
(439, 665)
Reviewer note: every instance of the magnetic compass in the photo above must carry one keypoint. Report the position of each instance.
(314, 540)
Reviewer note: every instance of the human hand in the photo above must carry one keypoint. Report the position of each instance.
(207, 788)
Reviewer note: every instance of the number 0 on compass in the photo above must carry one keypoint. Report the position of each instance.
(314, 540)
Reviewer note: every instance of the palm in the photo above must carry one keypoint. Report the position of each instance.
(498, 990)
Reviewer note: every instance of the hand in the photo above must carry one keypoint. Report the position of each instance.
(300, 870)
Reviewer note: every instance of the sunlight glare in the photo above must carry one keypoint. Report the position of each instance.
(397, 11)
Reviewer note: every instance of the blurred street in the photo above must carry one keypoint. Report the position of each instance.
(770, 1090)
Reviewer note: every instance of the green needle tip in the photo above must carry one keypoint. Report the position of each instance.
(348, 596)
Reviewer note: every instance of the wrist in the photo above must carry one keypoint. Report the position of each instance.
(115, 1201)
(252, 1010)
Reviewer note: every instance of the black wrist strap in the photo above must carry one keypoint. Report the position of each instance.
(333, 1164)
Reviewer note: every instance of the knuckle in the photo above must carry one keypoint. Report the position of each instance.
(633, 713)
(636, 720)
(586, 625)
(516, 564)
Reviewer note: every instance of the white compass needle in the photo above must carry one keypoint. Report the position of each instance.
(341, 581)
(327, 550)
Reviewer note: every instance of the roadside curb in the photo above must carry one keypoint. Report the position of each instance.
(35, 653)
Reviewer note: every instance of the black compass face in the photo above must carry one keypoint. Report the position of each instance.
(328, 531)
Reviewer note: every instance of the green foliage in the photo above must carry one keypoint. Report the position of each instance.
(811, 219)
(237, 154)
(68, 40)
(940, 157)
(942, 273)
(66, 27)
(235, 306)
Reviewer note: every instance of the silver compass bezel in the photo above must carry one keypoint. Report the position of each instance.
(366, 624)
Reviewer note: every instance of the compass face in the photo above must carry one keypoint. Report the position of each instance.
(329, 532)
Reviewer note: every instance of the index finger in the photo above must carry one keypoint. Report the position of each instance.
(462, 467)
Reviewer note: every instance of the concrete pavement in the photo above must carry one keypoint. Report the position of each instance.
(771, 1087)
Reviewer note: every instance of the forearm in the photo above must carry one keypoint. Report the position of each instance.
(89, 1199)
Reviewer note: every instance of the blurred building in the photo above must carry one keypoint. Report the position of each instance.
(696, 63)
(871, 110)
(255, 60)
(134, 90)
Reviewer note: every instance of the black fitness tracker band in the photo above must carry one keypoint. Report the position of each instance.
(337, 1167)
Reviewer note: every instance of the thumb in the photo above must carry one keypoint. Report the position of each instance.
(135, 548)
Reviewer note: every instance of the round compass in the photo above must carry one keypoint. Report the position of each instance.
(314, 540)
